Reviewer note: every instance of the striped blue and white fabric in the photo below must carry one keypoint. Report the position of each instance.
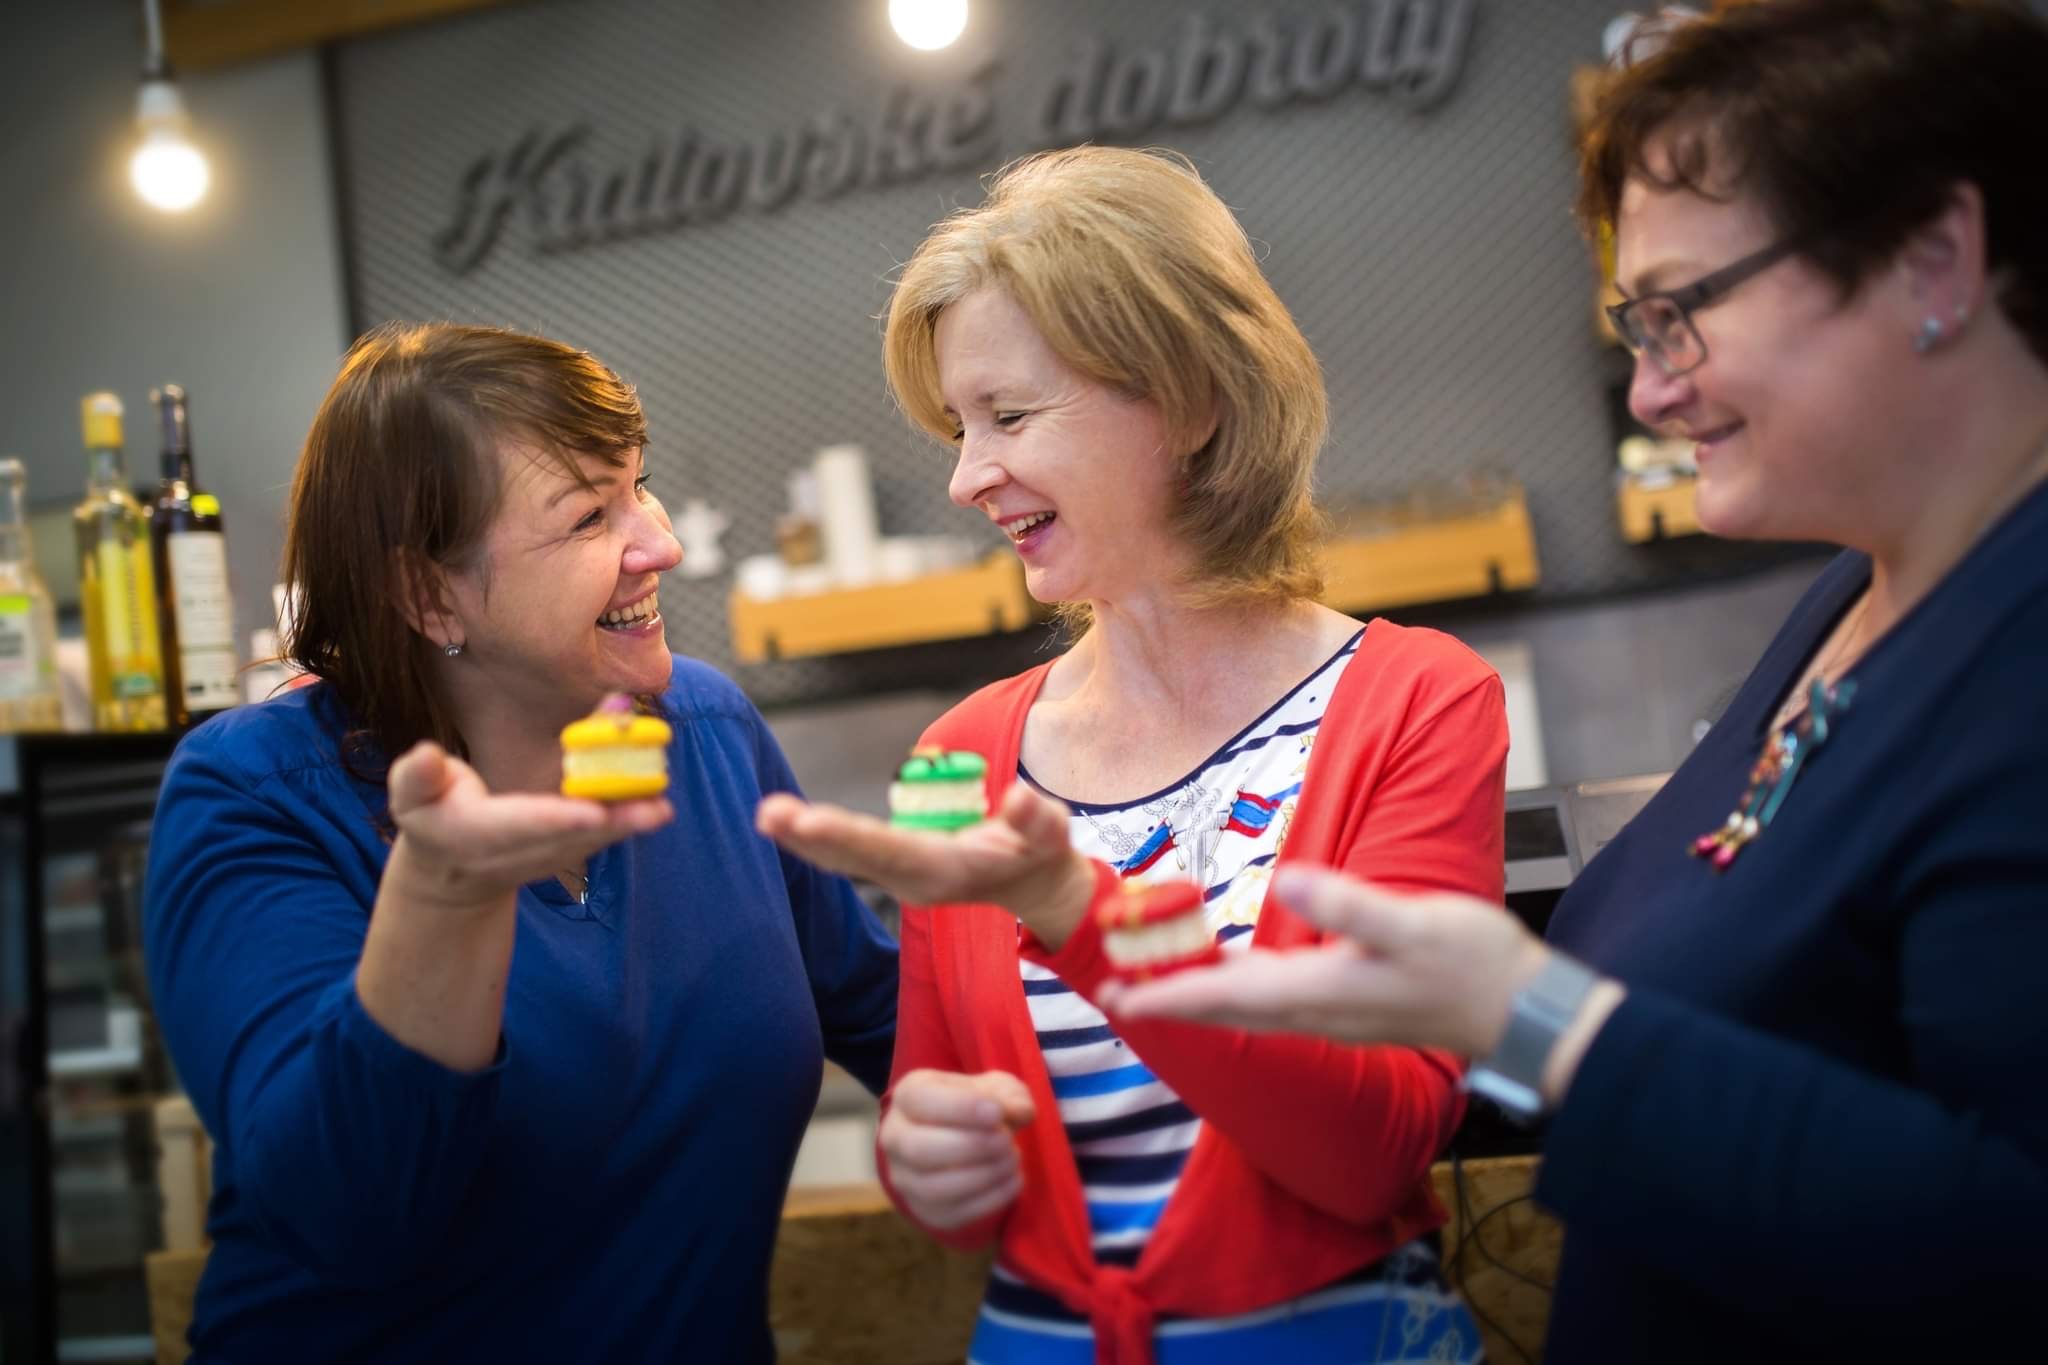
(1221, 826)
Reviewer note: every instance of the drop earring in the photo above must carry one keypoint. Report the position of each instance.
(1930, 332)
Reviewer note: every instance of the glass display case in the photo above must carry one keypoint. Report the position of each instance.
(83, 1066)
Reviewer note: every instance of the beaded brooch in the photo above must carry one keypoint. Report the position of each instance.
(1785, 753)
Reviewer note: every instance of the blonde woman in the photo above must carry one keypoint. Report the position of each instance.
(1134, 406)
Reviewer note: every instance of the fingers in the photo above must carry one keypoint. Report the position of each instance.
(953, 1100)
(628, 818)
(957, 1185)
(1042, 822)
(929, 1148)
(500, 842)
(1374, 919)
(948, 1146)
(777, 813)
(944, 1214)
(913, 864)
(419, 777)
(1330, 990)
(1256, 985)
(1011, 1095)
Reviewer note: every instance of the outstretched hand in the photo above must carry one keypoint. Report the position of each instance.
(466, 846)
(1020, 858)
(1435, 970)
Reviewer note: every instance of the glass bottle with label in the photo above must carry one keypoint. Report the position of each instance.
(116, 583)
(30, 697)
(188, 553)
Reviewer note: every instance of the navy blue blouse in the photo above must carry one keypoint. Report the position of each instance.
(611, 1188)
(1819, 1123)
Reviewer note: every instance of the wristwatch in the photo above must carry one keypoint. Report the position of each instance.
(1512, 1075)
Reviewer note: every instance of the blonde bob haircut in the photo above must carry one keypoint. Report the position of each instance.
(1139, 278)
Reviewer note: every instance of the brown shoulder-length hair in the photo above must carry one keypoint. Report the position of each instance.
(1851, 122)
(1139, 277)
(400, 467)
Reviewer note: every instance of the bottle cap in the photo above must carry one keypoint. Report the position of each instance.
(102, 420)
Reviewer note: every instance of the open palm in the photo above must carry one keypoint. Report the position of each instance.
(1020, 858)
(483, 844)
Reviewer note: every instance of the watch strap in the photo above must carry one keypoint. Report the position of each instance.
(1512, 1074)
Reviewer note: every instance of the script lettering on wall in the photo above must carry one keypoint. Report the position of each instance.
(1411, 51)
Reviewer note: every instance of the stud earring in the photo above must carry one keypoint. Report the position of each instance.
(1927, 336)
(451, 650)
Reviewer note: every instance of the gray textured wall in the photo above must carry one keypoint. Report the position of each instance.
(1429, 256)
(240, 299)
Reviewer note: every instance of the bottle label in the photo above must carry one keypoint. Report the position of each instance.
(198, 562)
(19, 667)
(128, 618)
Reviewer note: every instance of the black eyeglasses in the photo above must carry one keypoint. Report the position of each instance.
(1660, 325)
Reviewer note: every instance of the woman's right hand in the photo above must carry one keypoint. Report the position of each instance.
(947, 1141)
(459, 846)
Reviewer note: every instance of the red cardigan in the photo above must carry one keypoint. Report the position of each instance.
(1313, 1158)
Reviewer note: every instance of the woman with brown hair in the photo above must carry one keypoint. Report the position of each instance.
(1135, 408)
(492, 1074)
(1789, 1032)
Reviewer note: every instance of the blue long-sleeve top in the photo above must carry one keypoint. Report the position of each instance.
(1818, 1126)
(610, 1188)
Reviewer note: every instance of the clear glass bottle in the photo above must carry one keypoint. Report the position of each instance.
(30, 696)
(188, 553)
(116, 583)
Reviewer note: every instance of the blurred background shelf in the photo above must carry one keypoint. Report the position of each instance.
(1437, 548)
(1441, 545)
(985, 599)
(1657, 512)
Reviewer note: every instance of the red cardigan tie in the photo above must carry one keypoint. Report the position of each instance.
(1121, 1318)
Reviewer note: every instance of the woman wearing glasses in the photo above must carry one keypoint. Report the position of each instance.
(1796, 1059)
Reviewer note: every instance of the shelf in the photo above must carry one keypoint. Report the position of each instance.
(1657, 513)
(1472, 553)
(982, 600)
(95, 1061)
(138, 1348)
(1438, 559)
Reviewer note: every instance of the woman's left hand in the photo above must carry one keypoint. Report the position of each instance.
(1427, 971)
(1020, 858)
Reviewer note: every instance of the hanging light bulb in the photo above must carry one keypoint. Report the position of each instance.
(928, 24)
(166, 169)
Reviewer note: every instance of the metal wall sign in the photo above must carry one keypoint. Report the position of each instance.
(1409, 51)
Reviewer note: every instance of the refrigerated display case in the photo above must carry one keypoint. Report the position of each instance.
(83, 1066)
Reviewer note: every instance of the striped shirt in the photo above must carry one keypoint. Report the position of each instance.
(1221, 826)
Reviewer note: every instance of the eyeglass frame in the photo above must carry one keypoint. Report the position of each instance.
(1690, 298)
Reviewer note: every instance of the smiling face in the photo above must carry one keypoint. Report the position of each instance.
(1796, 412)
(560, 605)
(1078, 476)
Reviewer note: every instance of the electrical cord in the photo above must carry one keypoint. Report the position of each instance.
(1468, 1234)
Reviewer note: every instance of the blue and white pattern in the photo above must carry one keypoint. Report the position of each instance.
(1222, 826)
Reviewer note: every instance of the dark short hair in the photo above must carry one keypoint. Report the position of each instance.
(1850, 122)
(401, 461)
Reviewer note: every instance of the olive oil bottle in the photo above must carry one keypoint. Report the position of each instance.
(116, 582)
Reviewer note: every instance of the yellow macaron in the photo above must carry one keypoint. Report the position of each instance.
(615, 754)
